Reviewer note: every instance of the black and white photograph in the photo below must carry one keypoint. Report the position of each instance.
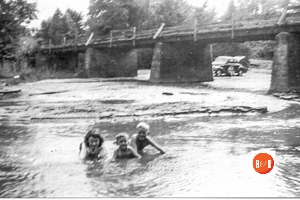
(149, 98)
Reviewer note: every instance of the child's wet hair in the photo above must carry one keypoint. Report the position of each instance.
(93, 133)
(143, 125)
(120, 135)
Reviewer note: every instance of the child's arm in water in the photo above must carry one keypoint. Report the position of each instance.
(113, 158)
(155, 145)
(114, 155)
(103, 154)
(132, 142)
(134, 152)
(82, 150)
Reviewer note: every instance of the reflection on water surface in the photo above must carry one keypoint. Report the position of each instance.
(206, 157)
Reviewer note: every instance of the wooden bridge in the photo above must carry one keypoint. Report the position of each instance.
(181, 53)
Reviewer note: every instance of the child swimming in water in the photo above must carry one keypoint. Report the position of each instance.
(92, 146)
(141, 139)
(124, 150)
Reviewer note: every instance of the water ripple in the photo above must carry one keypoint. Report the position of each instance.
(206, 157)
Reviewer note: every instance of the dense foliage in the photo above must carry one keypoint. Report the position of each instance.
(106, 15)
(231, 10)
(61, 25)
(204, 14)
(14, 14)
(116, 14)
(249, 9)
(170, 12)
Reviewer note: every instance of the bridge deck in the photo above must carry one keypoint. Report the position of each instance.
(211, 33)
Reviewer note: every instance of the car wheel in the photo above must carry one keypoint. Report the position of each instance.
(241, 72)
(218, 72)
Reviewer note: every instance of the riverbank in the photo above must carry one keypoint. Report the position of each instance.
(117, 99)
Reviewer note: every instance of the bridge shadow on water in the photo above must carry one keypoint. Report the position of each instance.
(206, 157)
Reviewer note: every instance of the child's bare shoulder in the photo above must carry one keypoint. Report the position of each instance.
(130, 148)
(133, 137)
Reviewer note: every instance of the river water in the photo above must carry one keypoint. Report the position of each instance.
(207, 156)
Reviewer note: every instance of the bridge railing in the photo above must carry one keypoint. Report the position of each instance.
(133, 34)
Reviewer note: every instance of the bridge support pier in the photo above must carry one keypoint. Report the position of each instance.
(286, 65)
(111, 62)
(181, 62)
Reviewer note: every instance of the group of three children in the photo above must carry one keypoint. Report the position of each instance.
(92, 146)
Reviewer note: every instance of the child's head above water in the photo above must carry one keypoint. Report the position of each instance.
(93, 138)
(142, 126)
(121, 136)
(122, 140)
(143, 130)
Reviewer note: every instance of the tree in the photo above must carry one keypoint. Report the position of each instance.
(61, 25)
(114, 14)
(106, 15)
(44, 30)
(261, 49)
(24, 50)
(260, 8)
(58, 27)
(293, 7)
(74, 21)
(231, 10)
(203, 14)
(14, 14)
(170, 12)
(143, 14)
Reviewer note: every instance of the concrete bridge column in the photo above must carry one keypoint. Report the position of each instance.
(121, 62)
(91, 65)
(286, 65)
(181, 62)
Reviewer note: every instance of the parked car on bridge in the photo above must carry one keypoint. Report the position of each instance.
(230, 66)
